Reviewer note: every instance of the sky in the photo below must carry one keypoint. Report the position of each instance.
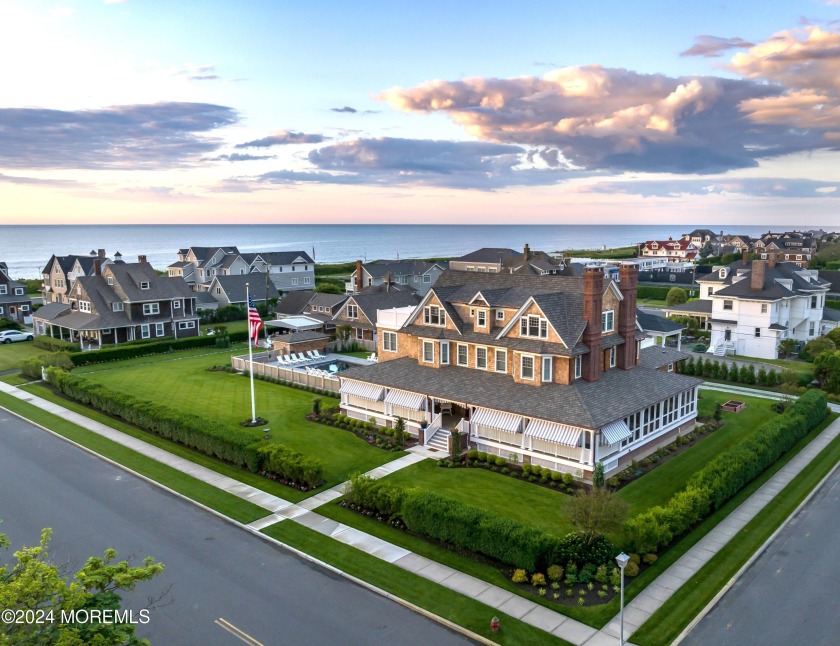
(631, 112)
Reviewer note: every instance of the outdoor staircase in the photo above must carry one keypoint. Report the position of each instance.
(722, 348)
(439, 441)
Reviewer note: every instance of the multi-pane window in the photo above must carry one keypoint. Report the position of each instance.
(159, 329)
(546, 368)
(145, 331)
(764, 308)
(462, 355)
(144, 285)
(533, 326)
(501, 360)
(608, 321)
(727, 305)
(352, 311)
(444, 353)
(176, 304)
(500, 315)
(526, 370)
(118, 306)
(389, 341)
(481, 358)
(482, 318)
(758, 331)
(428, 351)
(151, 308)
(814, 301)
(434, 315)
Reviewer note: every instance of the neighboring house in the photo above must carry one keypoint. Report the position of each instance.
(486, 259)
(753, 305)
(416, 274)
(738, 243)
(230, 290)
(699, 237)
(510, 261)
(833, 277)
(182, 269)
(205, 264)
(546, 370)
(324, 307)
(670, 250)
(360, 311)
(288, 270)
(120, 303)
(389, 286)
(60, 272)
(14, 304)
(293, 304)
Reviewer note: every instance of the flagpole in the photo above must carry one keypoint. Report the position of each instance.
(251, 358)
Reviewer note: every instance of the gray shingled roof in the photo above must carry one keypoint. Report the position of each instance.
(654, 323)
(617, 394)
(701, 306)
(327, 300)
(381, 268)
(301, 336)
(128, 276)
(370, 303)
(489, 254)
(51, 311)
(234, 287)
(294, 302)
(830, 314)
(656, 356)
(284, 257)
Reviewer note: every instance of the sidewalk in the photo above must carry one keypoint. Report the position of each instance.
(636, 612)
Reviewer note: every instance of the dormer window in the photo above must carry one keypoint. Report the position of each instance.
(144, 284)
(500, 315)
(608, 321)
(533, 326)
(110, 280)
(118, 306)
(433, 315)
(481, 320)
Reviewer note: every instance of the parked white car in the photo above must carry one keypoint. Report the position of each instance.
(12, 336)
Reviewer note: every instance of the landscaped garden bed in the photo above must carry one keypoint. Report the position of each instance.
(388, 439)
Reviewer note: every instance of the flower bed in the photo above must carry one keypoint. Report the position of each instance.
(541, 476)
(379, 436)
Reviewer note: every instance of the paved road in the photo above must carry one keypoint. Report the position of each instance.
(789, 595)
(216, 570)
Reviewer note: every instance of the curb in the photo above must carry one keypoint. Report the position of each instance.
(360, 582)
(708, 608)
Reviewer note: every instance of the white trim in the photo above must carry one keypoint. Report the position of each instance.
(522, 358)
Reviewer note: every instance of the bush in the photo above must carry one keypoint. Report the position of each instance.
(31, 368)
(650, 558)
(538, 580)
(291, 465)
(568, 479)
(676, 296)
(54, 345)
(631, 569)
(815, 348)
(500, 461)
(373, 494)
(519, 576)
(555, 572)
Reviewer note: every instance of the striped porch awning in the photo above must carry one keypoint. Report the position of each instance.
(406, 399)
(362, 389)
(616, 431)
(554, 432)
(497, 419)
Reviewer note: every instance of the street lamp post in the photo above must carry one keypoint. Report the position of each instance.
(622, 560)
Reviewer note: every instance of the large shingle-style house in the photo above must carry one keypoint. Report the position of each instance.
(670, 250)
(360, 313)
(288, 270)
(540, 369)
(509, 261)
(699, 237)
(198, 266)
(486, 259)
(14, 303)
(751, 306)
(120, 303)
(230, 290)
(417, 274)
(60, 272)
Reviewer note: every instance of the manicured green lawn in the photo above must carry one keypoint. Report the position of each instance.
(504, 495)
(183, 381)
(435, 598)
(655, 487)
(221, 501)
(11, 354)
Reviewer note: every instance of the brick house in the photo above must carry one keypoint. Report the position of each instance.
(546, 370)
(120, 303)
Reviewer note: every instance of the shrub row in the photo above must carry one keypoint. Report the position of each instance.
(745, 374)
(54, 345)
(291, 465)
(470, 528)
(229, 444)
(121, 352)
(725, 475)
(31, 368)
(650, 291)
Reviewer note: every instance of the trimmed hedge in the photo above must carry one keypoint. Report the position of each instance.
(229, 444)
(725, 475)
(291, 465)
(54, 345)
(650, 291)
(470, 528)
(118, 353)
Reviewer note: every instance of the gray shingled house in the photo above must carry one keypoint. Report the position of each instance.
(546, 370)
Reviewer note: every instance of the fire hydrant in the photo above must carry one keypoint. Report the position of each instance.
(494, 624)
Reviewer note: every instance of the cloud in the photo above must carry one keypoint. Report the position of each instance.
(16, 179)
(612, 119)
(135, 137)
(283, 138)
(753, 187)
(346, 108)
(198, 73)
(713, 46)
(237, 157)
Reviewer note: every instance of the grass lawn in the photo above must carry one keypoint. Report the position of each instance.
(183, 381)
(221, 501)
(678, 611)
(364, 354)
(504, 495)
(11, 354)
(655, 487)
(15, 379)
(435, 598)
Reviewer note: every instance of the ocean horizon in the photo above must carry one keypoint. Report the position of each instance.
(27, 248)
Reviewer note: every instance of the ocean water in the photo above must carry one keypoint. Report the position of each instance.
(26, 249)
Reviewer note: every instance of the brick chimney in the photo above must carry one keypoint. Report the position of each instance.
(757, 275)
(141, 258)
(359, 279)
(97, 267)
(527, 252)
(101, 253)
(629, 278)
(745, 258)
(593, 294)
(771, 259)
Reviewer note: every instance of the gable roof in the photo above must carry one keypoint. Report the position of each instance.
(294, 302)
(653, 323)
(327, 300)
(489, 254)
(283, 257)
(234, 287)
(370, 303)
(128, 276)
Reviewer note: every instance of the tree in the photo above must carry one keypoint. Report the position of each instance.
(815, 348)
(706, 250)
(328, 288)
(834, 336)
(34, 582)
(399, 432)
(598, 475)
(597, 512)
(676, 296)
(786, 347)
(827, 371)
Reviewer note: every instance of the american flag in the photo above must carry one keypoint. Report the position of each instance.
(254, 320)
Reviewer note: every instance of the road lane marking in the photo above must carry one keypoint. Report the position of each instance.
(224, 624)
